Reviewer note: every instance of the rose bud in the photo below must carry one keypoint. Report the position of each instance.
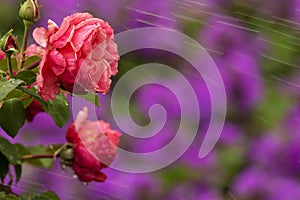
(94, 144)
(9, 43)
(29, 11)
(80, 52)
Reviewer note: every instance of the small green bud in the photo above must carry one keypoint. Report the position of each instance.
(29, 11)
(9, 43)
(67, 154)
(66, 157)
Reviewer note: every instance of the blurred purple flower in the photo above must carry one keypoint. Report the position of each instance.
(237, 60)
(194, 191)
(150, 13)
(152, 94)
(258, 184)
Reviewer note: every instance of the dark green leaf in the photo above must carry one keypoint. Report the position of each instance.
(25, 98)
(18, 171)
(59, 110)
(9, 197)
(93, 98)
(10, 151)
(31, 60)
(6, 86)
(28, 77)
(6, 193)
(4, 167)
(3, 64)
(43, 196)
(12, 116)
(33, 92)
(50, 195)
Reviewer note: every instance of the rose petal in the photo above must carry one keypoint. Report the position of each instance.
(69, 21)
(40, 36)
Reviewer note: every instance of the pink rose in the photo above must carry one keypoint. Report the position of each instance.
(34, 50)
(94, 144)
(81, 51)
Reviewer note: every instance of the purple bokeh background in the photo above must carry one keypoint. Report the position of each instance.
(256, 48)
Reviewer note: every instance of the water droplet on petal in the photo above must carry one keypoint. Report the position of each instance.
(74, 176)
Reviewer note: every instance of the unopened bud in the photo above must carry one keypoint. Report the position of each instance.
(9, 43)
(29, 11)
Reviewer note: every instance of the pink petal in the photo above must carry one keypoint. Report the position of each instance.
(65, 38)
(47, 81)
(40, 36)
(59, 63)
(52, 27)
(69, 21)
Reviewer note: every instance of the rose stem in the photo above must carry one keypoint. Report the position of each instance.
(10, 70)
(24, 45)
(38, 156)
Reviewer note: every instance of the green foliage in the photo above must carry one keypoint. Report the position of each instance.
(4, 167)
(9, 154)
(27, 76)
(10, 151)
(59, 110)
(12, 116)
(44, 196)
(18, 172)
(3, 64)
(6, 86)
(90, 97)
(4, 196)
(40, 149)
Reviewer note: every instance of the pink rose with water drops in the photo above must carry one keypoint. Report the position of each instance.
(81, 52)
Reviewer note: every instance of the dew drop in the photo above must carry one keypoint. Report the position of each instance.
(85, 183)
(74, 176)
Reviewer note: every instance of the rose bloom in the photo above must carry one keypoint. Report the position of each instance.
(94, 145)
(81, 52)
(34, 50)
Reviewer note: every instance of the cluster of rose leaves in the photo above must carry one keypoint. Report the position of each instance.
(78, 57)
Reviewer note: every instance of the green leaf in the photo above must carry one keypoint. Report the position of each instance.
(28, 77)
(93, 98)
(31, 59)
(12, 116)
(10, 151)
(6, 86)
(3, 64)
(18, 172)
(8, 197)
(6, 193)
(4, 167)
(33, 92)
(44, 196)
(25, 98)
(50, 195)
(59, 110)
